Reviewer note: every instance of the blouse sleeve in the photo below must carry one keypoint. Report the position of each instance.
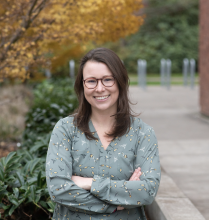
(61, 188)
(130, 194)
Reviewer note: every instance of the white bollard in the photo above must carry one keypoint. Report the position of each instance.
(72, 69)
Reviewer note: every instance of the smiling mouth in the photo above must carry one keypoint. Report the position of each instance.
(101, 97)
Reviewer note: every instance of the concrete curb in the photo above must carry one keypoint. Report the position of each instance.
(171, 204)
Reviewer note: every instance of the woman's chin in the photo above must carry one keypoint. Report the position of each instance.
(103, 108)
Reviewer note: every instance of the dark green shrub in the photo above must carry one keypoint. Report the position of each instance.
(52, 100)
(23, 193)
(170, 31)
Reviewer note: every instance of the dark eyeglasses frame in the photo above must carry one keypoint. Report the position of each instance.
(97, 81)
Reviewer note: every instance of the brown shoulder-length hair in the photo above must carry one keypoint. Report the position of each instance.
(83, 113)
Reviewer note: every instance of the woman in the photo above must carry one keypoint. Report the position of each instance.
(102, 162)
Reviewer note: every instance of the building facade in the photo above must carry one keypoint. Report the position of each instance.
(204, 56)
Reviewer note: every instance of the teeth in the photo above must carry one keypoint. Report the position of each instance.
(102, 97)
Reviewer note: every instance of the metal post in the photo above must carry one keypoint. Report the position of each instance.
(192, 72)
(185, 71)
(168, 73)
(142, 71)
(162, 71)
(139, 70)
(72, 69)
(48, 73)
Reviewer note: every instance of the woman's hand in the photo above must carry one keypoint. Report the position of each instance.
(82, 182)
(85, 183)
(135, 177)
(120, 208)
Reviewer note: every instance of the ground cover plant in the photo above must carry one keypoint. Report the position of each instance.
(155, 79)
(23, 193)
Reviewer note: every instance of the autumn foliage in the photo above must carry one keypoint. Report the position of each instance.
(32, 31)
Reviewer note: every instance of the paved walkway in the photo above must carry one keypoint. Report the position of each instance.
(183, 136)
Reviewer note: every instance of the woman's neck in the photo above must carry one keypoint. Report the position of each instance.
(104, 120)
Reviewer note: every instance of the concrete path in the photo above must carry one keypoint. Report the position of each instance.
(183, 136)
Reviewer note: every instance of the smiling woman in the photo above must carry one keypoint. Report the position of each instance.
(99, 64)
(104, 95)
(102, 162)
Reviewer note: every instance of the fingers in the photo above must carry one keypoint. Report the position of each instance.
(136, 174)
(120, 208)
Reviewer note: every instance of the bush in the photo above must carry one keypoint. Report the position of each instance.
(170, 31)
(23, 192)
(52, 100)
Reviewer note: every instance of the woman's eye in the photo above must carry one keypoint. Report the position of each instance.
(91, 81)
(108, 79)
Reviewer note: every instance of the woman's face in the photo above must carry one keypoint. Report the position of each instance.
(100, 98)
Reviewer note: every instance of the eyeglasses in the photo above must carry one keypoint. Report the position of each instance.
(92, 82)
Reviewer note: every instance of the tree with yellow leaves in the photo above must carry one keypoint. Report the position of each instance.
(31, 29)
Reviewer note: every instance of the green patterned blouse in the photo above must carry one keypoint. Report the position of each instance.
(71, 153)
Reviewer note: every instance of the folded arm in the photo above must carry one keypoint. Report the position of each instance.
(61, 188)
(130, 194)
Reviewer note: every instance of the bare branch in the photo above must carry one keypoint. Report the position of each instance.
(25, 24)
(2, 67)
(31, 8)
(38, 9)
(40, 5)
(30, 216)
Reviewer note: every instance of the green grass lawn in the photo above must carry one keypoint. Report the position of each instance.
(154, 79)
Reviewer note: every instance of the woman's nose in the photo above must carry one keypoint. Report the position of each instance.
(100, 86)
